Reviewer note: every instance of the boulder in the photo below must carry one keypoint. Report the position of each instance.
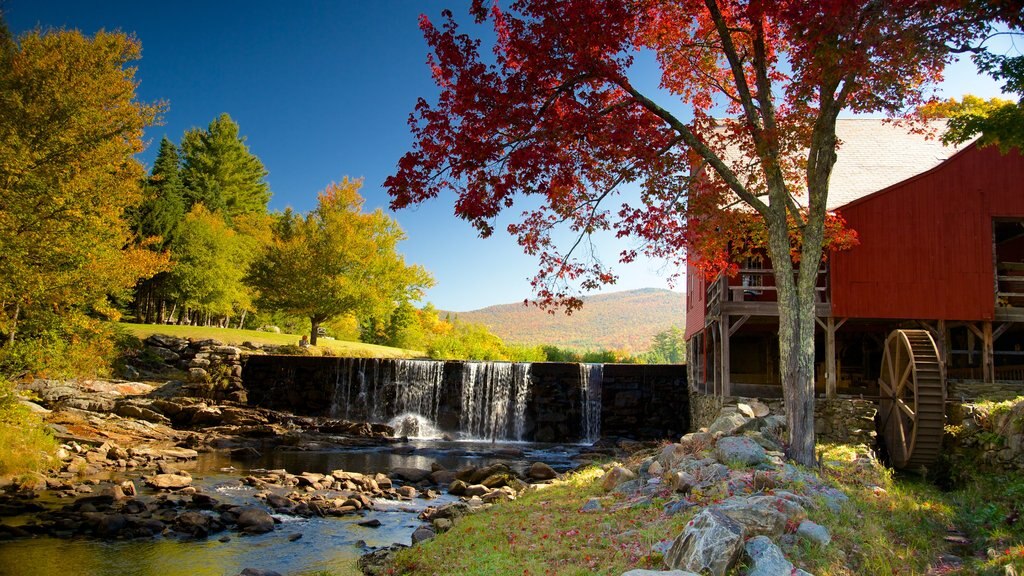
(422, 534)
(753, 409)
(541, 471)
(140, 413)
(616, 476)
(639, 572)
(766, 557)
(444, 477)
(169, 481)
(762, 515)
(476, 490)
(671, 455)
(480, 474)
(196, 524)
(411, 474)
(711, 541)
(681, 482)
(814, 532)
(728, 423)
(739, 450)
(258, 572)
(457, 488)
(165, 341)
(254, 520)
(110, 525)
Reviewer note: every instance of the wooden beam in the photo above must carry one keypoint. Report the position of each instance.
(987, 362)
(974, 329)
(1000, 331)
(830, 357)
(943, 344)
(715, 349)
(736, 325)
(726, 337)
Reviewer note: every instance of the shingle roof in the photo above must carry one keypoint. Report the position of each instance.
(875, 155)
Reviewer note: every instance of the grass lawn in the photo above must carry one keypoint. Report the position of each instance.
(890, 526)
(234, 336)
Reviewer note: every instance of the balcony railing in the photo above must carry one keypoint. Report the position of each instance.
(1010, 285)
(754, 285)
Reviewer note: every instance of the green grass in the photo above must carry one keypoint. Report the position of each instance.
(235, 336)
(25, 446)
(544, 532)
(891, 525)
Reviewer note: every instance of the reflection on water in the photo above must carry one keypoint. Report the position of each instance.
(330, 544)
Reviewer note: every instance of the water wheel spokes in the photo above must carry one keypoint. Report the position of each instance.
(913, 396)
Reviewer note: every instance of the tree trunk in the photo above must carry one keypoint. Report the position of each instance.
(14, 324)
(241, 321)
(312, 332)
(796, 346)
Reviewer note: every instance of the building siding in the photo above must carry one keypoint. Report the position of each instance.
(926, 248)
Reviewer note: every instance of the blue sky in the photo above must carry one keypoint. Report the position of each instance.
(323, 90)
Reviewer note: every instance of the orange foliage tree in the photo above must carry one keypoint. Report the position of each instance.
(70, 125)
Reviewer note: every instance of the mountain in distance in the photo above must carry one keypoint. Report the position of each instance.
(619, 321)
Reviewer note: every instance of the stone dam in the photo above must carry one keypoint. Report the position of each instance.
(496, 401)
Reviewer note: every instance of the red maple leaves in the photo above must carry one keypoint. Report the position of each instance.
(553, 115)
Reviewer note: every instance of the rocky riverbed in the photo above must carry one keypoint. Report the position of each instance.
(144, 463)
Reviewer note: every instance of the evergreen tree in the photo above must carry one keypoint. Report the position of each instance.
(163, 203)
(156, 222)
(220, 172)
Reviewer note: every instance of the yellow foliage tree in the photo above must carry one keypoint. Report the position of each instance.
(70, 125)
(336, 261)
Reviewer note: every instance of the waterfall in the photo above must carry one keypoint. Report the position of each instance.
(487, 400)
(591, 377)
(418, 387)
(493, 400)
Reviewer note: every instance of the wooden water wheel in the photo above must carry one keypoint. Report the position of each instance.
(913, 397)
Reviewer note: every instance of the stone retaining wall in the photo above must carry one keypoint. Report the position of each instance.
(994, 433)
(844, 419)
(967, 390)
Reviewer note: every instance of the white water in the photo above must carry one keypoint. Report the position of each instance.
(591, 377)
(487, 401)
(493, 400)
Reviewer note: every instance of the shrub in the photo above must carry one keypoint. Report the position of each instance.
(25, 445)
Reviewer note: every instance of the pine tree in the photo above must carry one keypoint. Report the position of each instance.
(163, 204)
(221, 173)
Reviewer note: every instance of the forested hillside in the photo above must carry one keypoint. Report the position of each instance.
(620, 320)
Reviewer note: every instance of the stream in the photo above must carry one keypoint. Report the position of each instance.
(326, 544)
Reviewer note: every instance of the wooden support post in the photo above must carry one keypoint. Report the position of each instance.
(987, 361)
(714, 364)
(943, 343)
(726, 337)
(830, 357)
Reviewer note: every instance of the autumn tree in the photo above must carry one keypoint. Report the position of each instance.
(70, 125)
(994, 121)
(336, 260)
(749, 97)
(211, 259)
(220, 172)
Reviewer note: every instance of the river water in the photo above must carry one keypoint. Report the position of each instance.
(327, 544)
